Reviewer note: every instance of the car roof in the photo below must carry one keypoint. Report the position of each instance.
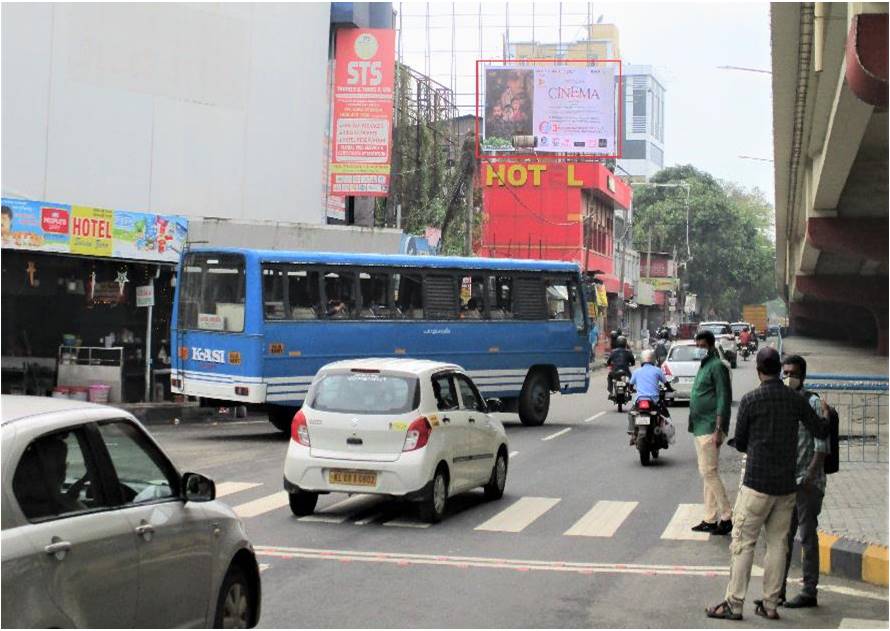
(19, 407)
(683, 343)
(713, 322)
(392, 364)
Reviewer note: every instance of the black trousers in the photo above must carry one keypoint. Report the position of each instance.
(806, 519)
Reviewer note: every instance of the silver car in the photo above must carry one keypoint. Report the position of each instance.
(682, 364)
(99, 529)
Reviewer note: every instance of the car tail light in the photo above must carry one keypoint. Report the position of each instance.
(643, 404)
(418, 434)
(666, 368)
(242, 391)
(299, 430)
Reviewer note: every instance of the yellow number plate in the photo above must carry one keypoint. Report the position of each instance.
(352, 478)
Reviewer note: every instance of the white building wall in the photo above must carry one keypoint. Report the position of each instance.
(205, 110)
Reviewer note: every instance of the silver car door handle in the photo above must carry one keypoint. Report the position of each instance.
(145, 531)
(58, 548)
(472, 420)
(445, 419)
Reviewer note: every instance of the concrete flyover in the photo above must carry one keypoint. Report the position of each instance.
(829, 64)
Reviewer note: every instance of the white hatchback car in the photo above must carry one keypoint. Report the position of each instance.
(413, 429)
(100, 530)
(682, 364)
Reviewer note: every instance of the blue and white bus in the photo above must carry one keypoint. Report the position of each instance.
(254, 326)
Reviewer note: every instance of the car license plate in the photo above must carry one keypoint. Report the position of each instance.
(352, 478)
(643, 420)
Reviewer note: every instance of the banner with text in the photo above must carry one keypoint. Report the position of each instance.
(551, 109)
(70, 229)
(363, 112)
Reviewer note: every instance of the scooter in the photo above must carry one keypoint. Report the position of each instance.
(649, 427)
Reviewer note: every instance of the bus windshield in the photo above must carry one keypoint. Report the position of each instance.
(211, 292)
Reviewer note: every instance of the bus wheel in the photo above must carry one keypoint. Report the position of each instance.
(534, 400)
(281, 417)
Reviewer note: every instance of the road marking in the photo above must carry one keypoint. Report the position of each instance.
(862, 623)
(230, 488)
(407, 523)
(513, 454)
(603, 520)
(686, 516)
(520, 514)
(346, 556)
(340, 511)
(594, 417)
(262, 505)
(558, 434)
(856, 593)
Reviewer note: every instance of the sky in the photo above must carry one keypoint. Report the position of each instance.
(712, 115)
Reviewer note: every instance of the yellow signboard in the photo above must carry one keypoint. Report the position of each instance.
(91, 231)
(661, 284)
(601, 298)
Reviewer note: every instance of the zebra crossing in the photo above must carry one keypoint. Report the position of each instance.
(604, 518)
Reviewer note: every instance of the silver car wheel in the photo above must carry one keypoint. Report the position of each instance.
(235, 607)
(439, 493)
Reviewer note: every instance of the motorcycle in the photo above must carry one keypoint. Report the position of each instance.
(621, 391)
(744, 350)
(652, 429)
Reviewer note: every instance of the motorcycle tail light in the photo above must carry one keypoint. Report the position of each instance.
(644, 404)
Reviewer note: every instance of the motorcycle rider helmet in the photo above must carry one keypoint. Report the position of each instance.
(621, 341)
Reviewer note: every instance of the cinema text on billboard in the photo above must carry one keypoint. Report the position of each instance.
(549, 107)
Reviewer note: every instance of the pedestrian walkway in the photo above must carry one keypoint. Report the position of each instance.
(604, 519)
(854, 512)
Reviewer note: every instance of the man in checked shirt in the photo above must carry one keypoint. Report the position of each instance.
(767, 431)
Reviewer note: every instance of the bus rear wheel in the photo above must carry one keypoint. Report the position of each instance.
(534, 400)
(281, 417)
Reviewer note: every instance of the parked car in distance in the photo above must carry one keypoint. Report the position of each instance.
(682, 365)
(99, 528)
(723, 333)
(413, 429)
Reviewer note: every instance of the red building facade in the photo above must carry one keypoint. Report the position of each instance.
(553, 211)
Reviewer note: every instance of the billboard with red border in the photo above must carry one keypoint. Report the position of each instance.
(361, 135)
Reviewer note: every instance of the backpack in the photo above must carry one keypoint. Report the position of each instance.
(832, 459)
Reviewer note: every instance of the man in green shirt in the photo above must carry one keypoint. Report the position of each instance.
(709, 410)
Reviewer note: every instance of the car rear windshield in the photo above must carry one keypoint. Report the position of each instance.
(717, 329)
(686, 354)
(366, 393)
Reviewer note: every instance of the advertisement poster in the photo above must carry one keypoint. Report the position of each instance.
(29, 225)
(67, 229)
(509, 108)
(361, 140)
(550, 109)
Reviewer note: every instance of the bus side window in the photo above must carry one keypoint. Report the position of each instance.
(274, 298)
(500, 297)
(376, 296)
(440, 297)
(409, 301)
(339, 289)
(303, 294)
(530, 298)
(472, 300)
(558, 303)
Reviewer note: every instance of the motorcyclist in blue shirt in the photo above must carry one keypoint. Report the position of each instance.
(647, 380)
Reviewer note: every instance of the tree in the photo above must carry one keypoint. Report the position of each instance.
(732, 257)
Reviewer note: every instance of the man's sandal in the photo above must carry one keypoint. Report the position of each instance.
(723, 611)
(761, 610)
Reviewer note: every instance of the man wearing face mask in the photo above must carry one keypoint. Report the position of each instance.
(709, 409)
(811, 452)
(767, 431)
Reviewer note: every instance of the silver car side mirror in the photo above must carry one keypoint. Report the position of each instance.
(198, 488)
